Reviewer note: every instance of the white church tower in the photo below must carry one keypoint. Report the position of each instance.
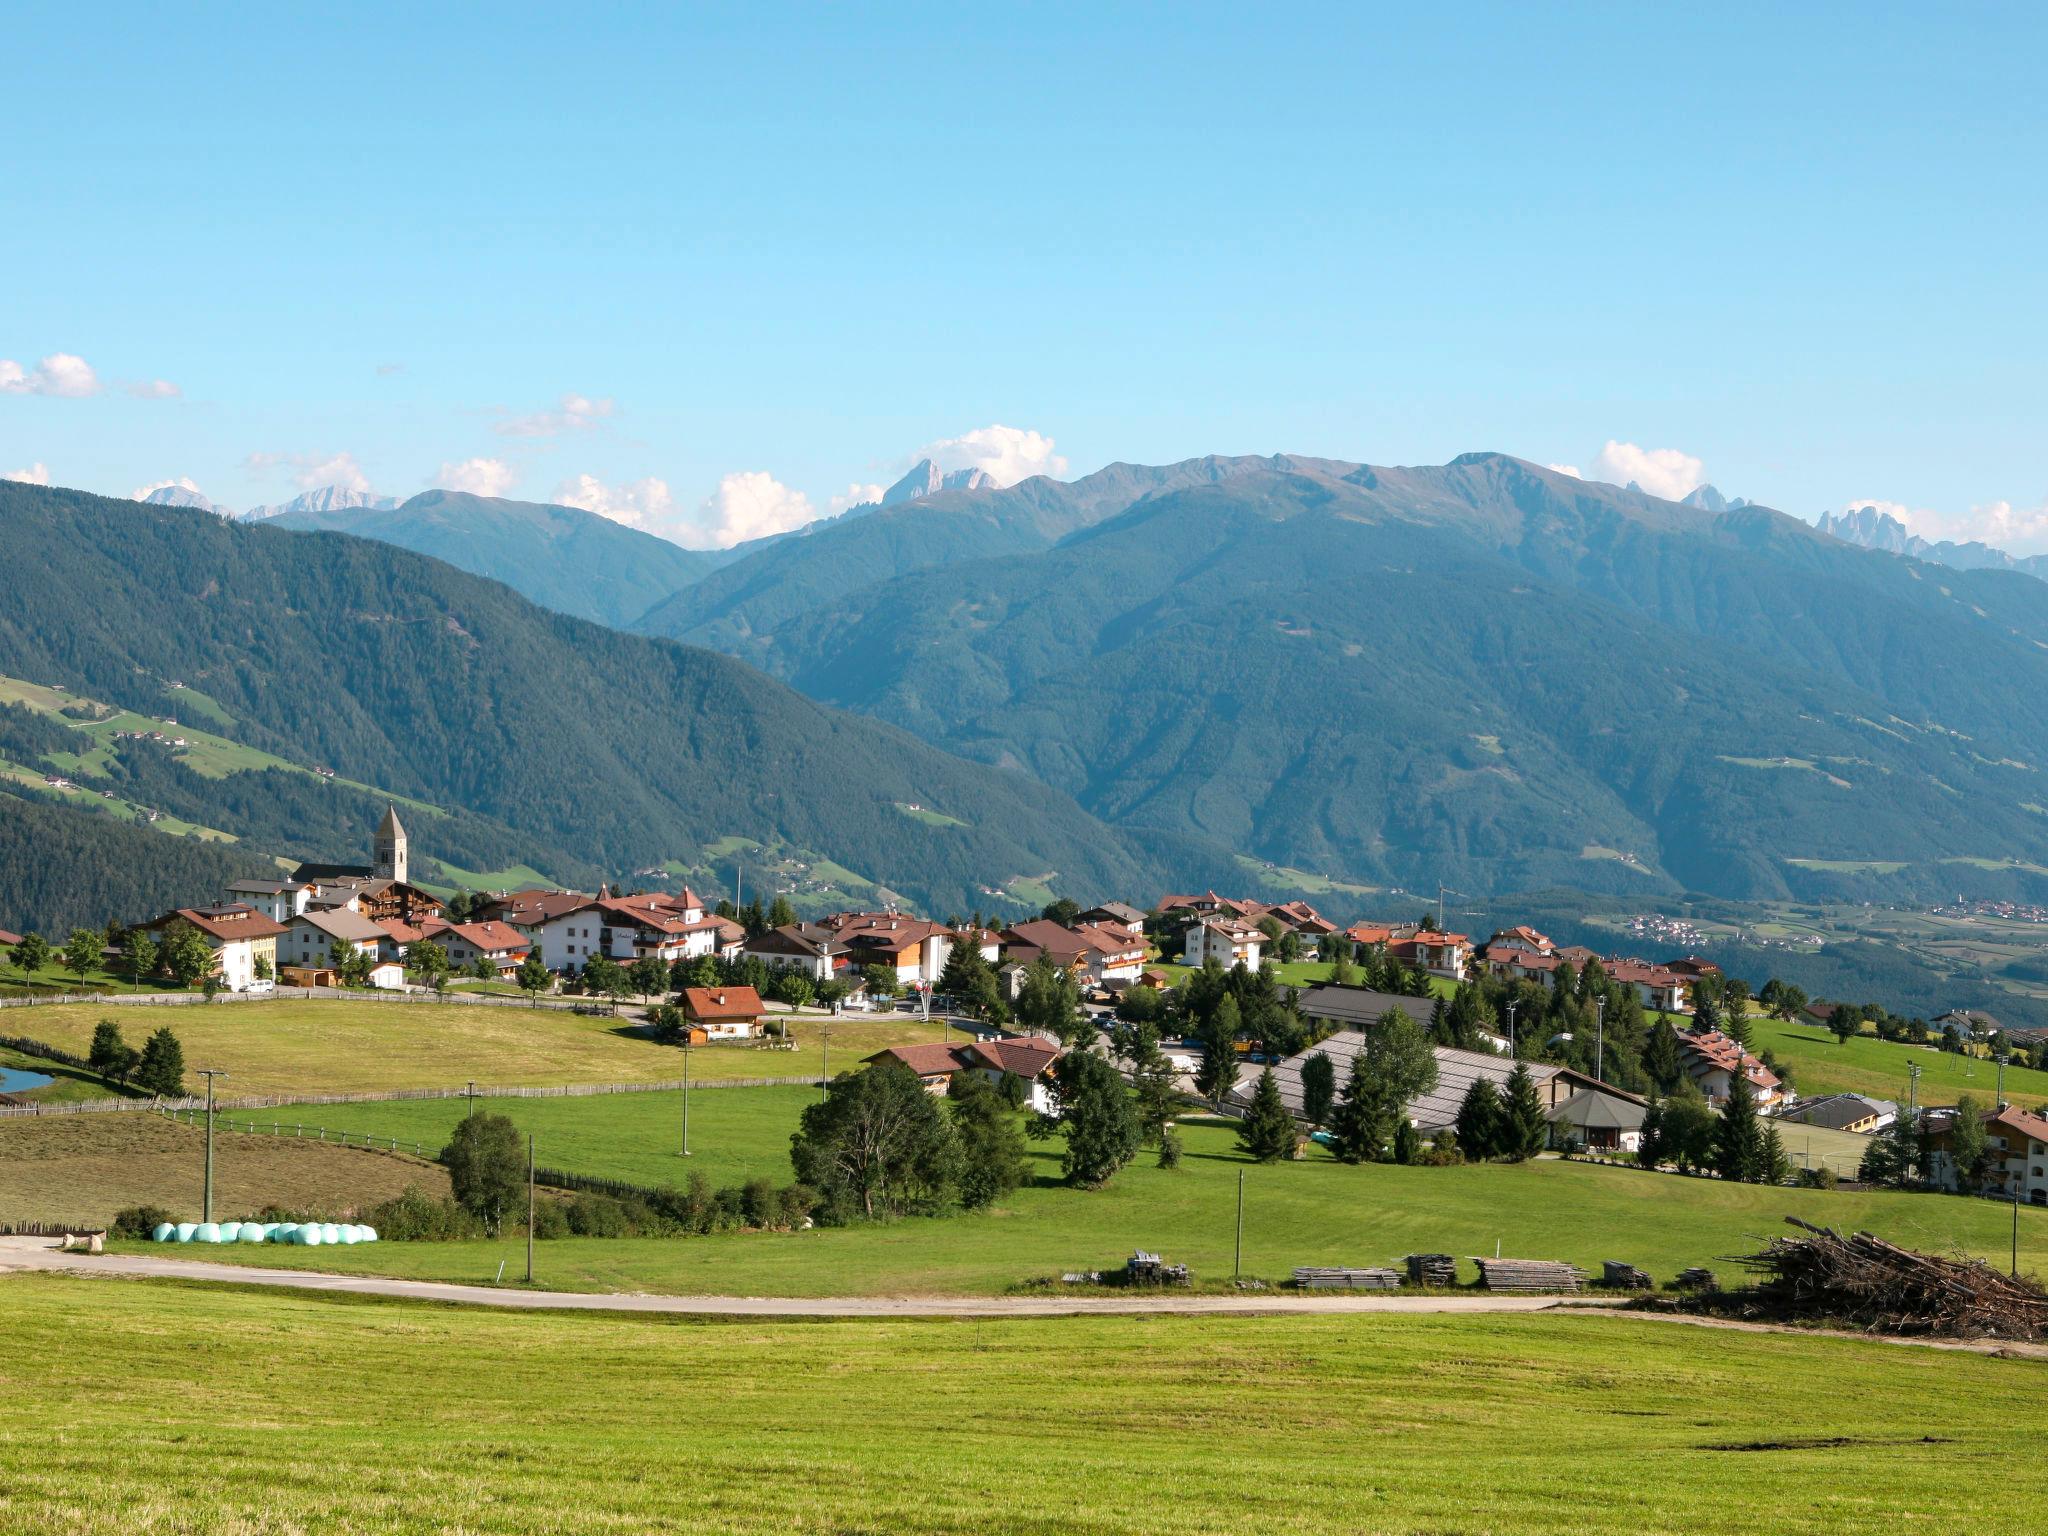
(391, 847)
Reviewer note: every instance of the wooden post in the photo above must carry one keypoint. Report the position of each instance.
(529, 1207)
(1237, 1260)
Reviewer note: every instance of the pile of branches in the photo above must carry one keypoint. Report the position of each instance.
(1879, 1287)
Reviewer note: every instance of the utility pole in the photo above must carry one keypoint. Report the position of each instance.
(1237, 1259)
(472, 1096)
(824, 1056)
(206, 1203)
(2003, 1057)
(1912, 1092)
(686, 1090)
(529, 1207)
(1600, 1038)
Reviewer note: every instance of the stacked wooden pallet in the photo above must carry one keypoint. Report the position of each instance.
(1438, 1269)
(1617, 1276)
(1529, 1275)
(1697, 1279)
(1314, 1279)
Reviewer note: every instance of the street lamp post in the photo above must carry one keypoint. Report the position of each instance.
(1600, 1039)
(686, 1090)
(206, 1203)
(1512, 1006)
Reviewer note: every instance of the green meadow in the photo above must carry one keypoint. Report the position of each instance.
(154, 1408)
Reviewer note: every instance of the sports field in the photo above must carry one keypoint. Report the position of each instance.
(343, 1045)
(241, 1412)
(1318, 1211)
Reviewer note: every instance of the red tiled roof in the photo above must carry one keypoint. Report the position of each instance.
(488, 936)
(712, 1005)
(225, 923)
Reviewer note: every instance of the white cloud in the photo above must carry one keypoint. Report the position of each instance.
(61, 374)
(637, 503)
(2016, 530)
(153, 389)
(479, 477)
(37, 473)
(1665, 472)
(311, 471)
(748, 504)
(182, 483)
(855, 495)
(1005, 454)
(575, 413)
(1566, 469)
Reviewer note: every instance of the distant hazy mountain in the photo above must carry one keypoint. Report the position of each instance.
(329, 498)
(926, 479)
(1871, 528)
(181, 496)
(1480, 672)
(1706, 498)
(563, 558)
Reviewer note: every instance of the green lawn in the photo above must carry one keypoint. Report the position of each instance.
(242, 1412)
(1318, 1211)
(330, 1045)
(735, 1133)
(1866, 1064)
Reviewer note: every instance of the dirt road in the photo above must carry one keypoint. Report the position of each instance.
(17, 1254)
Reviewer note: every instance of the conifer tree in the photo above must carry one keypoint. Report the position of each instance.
(1523, 1128)
(1266, 1133)
(1776, 1166)
(1479, 1122)
(1738, 1139)
(1318, 1089)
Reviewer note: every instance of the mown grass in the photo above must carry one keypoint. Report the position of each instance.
(152, 1408)
(1318, 1211)
(339, 1045)
(84, 1168)
(1865, 1064)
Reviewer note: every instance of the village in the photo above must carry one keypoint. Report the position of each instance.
(1622, 1057)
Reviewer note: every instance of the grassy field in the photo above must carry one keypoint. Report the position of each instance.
(265, 1413)
(84, 1168)
(1866, 1064)
(1317, 1211)
(334, 1045)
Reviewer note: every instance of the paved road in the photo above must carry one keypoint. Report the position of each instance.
(18, 1254)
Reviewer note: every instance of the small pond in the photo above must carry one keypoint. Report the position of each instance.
(20, 1080)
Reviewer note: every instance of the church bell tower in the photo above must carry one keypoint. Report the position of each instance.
(391, 847)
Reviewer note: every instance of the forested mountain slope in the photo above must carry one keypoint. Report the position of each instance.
(563, 558)
(600, 748)
(1483, 673)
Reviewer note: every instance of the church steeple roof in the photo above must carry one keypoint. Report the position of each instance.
(389, 826)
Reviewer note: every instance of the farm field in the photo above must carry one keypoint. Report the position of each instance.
(1866, 1064)
(1318, 1211)
(84, 1168)
(336, 1045)
(397, 1416)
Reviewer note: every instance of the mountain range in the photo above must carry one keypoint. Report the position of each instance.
(1483, 673)
(337, 671)
(1870, 527)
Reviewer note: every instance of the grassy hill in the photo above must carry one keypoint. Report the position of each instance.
(563, 558)
(1866, 1064)
(1318, 1211)
(397, 1416)
(1482, 672)
(593, 747)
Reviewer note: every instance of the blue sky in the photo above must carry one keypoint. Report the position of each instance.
(689, 266)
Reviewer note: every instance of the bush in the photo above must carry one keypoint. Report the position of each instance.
(418, 1217)
(597, 1216)
(549, 1220)
(1817, 1178)
(760, 1203)
(139, 1220)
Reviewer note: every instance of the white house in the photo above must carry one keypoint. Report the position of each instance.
(310, 937)
(239, 936)
(1225, 940)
